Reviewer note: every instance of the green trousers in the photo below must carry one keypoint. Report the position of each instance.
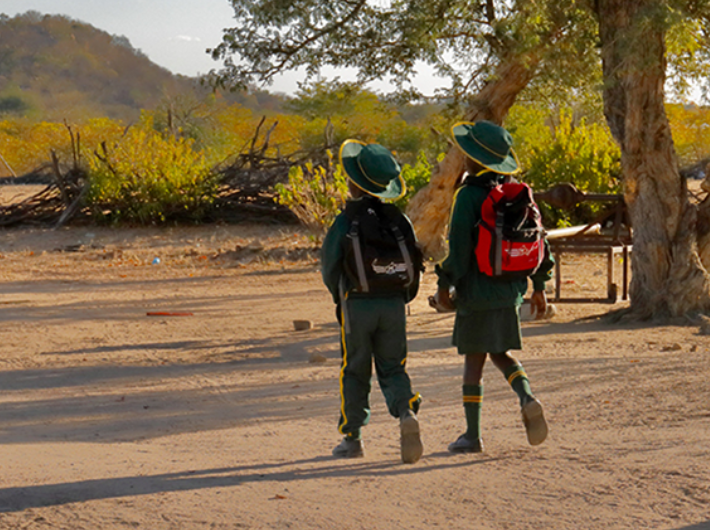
(373, 328)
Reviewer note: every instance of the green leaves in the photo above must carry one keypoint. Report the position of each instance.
(570, 150)
(415, 178)
(315, 194)
(462, 40)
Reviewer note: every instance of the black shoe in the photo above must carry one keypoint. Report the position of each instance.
(410, 442)
(534, 421)
(349, 448)
(464, 445)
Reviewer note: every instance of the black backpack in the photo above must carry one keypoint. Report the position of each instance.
(381, 256)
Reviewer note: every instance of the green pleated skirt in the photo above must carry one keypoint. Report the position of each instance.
(490, 331)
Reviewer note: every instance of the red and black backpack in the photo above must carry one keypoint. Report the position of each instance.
(510, 234)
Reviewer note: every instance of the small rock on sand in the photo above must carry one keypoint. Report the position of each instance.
(317, 358)
(302, 325)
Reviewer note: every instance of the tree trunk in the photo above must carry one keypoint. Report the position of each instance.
(668, 278)
(703, 223)
(429, 209)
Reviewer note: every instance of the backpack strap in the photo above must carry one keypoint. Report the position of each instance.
(394, 215)
(354, 235)
(405, 253)
(498, 260)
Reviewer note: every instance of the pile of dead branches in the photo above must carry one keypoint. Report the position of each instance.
(60, 199)
(247, 183)
(246, 191)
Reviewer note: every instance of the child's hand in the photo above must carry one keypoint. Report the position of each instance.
(538, 304)
(442, 302)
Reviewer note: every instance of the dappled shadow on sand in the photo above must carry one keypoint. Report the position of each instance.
(104, 404)
(197, 384)
(22, 498)
(700, 526)
(64, 302)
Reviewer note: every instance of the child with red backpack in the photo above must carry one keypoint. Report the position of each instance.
(495, 243)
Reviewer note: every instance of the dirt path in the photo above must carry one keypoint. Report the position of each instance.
(110, 418)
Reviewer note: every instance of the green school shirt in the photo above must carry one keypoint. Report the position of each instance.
(332, 255)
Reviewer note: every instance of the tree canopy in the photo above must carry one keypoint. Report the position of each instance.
(463, 40)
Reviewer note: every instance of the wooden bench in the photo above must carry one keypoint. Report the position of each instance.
(611, 250)
(612, 241)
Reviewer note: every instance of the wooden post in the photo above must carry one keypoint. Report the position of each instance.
(625, 291)
(558, 275)
(610, 287)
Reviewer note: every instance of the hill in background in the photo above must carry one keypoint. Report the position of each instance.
(54, 68)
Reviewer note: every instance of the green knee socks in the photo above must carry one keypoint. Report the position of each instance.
(472, 404)
(473, 398)
(518, 379)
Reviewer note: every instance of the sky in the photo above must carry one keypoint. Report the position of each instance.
(172, 33)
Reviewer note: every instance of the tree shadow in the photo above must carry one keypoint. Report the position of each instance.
(22, 498)
(54, 310)
(152, 401)
(226, 387)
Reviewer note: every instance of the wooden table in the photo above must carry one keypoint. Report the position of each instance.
(611, 249)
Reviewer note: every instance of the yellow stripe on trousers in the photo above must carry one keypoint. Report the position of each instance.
(413, 400)
(342, 371)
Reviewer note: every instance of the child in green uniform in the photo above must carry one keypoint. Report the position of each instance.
(487, 309)
(373, 324)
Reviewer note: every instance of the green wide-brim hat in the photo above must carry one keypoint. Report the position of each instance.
(373, 169)
(488, 144)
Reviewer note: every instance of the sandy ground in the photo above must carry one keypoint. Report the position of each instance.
(225, 418)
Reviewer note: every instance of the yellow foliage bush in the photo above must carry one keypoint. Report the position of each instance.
(315, 194)
(146, 177)
(690, 126)
(27, 145)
